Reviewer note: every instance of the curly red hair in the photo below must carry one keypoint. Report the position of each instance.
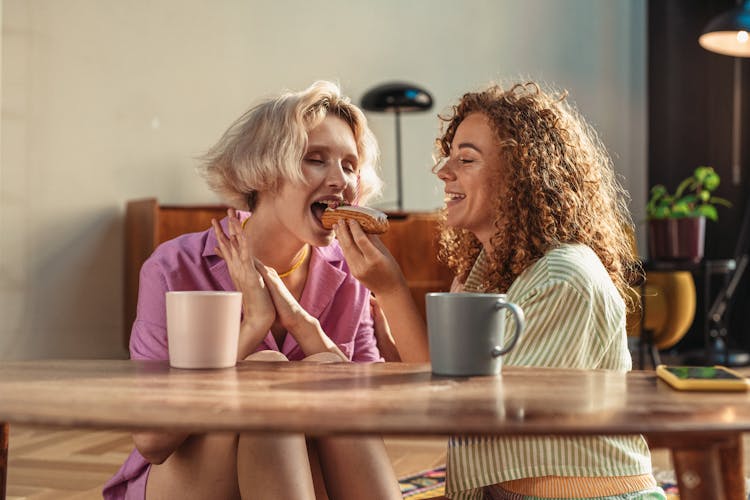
(564, 188)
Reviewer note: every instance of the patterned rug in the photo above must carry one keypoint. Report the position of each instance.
(427, 484)
(431, 483)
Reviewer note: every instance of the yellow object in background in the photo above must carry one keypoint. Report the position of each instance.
(702, 378)
(670, 307)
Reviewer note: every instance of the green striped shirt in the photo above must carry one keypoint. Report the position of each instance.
(575, 318)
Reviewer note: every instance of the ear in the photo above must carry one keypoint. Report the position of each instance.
(252, 200)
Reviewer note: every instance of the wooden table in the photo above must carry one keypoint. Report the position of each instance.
(703, 430)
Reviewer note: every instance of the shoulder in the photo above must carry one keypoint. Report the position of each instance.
(569, 288)
(185, 250)
(570, 266)
(576, 264)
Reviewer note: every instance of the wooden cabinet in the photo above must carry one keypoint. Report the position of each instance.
(412, 239)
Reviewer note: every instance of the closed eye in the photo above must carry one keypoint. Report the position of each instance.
(314, 159)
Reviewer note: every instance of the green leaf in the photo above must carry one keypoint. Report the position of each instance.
(660, 212)
(712, 181)
(680, 209)
(658, 191)
(720, 201)
(688, 199)
(687, 183)
(701, 173)
(709, 211)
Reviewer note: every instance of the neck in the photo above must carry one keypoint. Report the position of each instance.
(485, 236)
(281, 252)
(486, 242)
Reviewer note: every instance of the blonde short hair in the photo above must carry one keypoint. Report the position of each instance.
(265, 146)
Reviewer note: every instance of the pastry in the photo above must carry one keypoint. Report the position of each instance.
(372, 221)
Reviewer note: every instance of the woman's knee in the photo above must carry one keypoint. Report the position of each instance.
(324, 357)
(267, 355)
(204, 466)
(271, 466)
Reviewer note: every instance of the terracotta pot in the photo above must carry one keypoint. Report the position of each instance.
(676, 239)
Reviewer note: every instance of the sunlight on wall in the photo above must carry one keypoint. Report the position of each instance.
(108, 101)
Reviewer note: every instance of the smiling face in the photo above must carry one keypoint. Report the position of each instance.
(330, 168)
(470, 174)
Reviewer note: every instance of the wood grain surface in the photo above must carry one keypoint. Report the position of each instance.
(357, 398)
(701, 429)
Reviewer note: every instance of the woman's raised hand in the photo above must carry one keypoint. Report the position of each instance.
(293, 318)
(257, 306)
(368, 259)
(289, 313)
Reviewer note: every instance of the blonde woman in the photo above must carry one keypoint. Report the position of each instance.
(532, 209)
(279, 166)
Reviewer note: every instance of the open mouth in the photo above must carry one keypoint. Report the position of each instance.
(318, 207)
(453, 197)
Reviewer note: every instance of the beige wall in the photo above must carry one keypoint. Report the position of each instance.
(105, 100)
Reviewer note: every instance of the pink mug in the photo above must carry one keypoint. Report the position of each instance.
(203, 328)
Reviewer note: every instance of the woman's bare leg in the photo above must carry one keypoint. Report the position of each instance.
(208, 465)
(204, 466)
(353, 465)
(316, 470)
(275, 466)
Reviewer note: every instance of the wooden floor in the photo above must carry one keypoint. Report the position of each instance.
(46, 464)
(52, 464)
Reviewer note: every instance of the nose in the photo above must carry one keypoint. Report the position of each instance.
(446, 172)
(337, 176)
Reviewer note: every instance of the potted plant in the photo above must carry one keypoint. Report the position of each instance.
(677, 223)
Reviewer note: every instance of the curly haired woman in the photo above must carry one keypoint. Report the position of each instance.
(532, 209)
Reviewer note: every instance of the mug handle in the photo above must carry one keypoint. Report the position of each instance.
(519, 326)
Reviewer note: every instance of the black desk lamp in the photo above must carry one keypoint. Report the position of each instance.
(397, 97)
(729, 34)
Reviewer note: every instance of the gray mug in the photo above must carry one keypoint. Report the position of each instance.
(466, 332)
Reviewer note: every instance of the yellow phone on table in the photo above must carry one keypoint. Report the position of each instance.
(702, 378)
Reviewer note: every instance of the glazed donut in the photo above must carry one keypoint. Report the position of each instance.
(372, 221)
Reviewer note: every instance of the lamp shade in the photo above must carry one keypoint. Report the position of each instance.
(397, 96)
(729, 32)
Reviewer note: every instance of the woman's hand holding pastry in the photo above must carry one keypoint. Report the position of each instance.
(368, 259)
(371, 263)
(258, 308)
